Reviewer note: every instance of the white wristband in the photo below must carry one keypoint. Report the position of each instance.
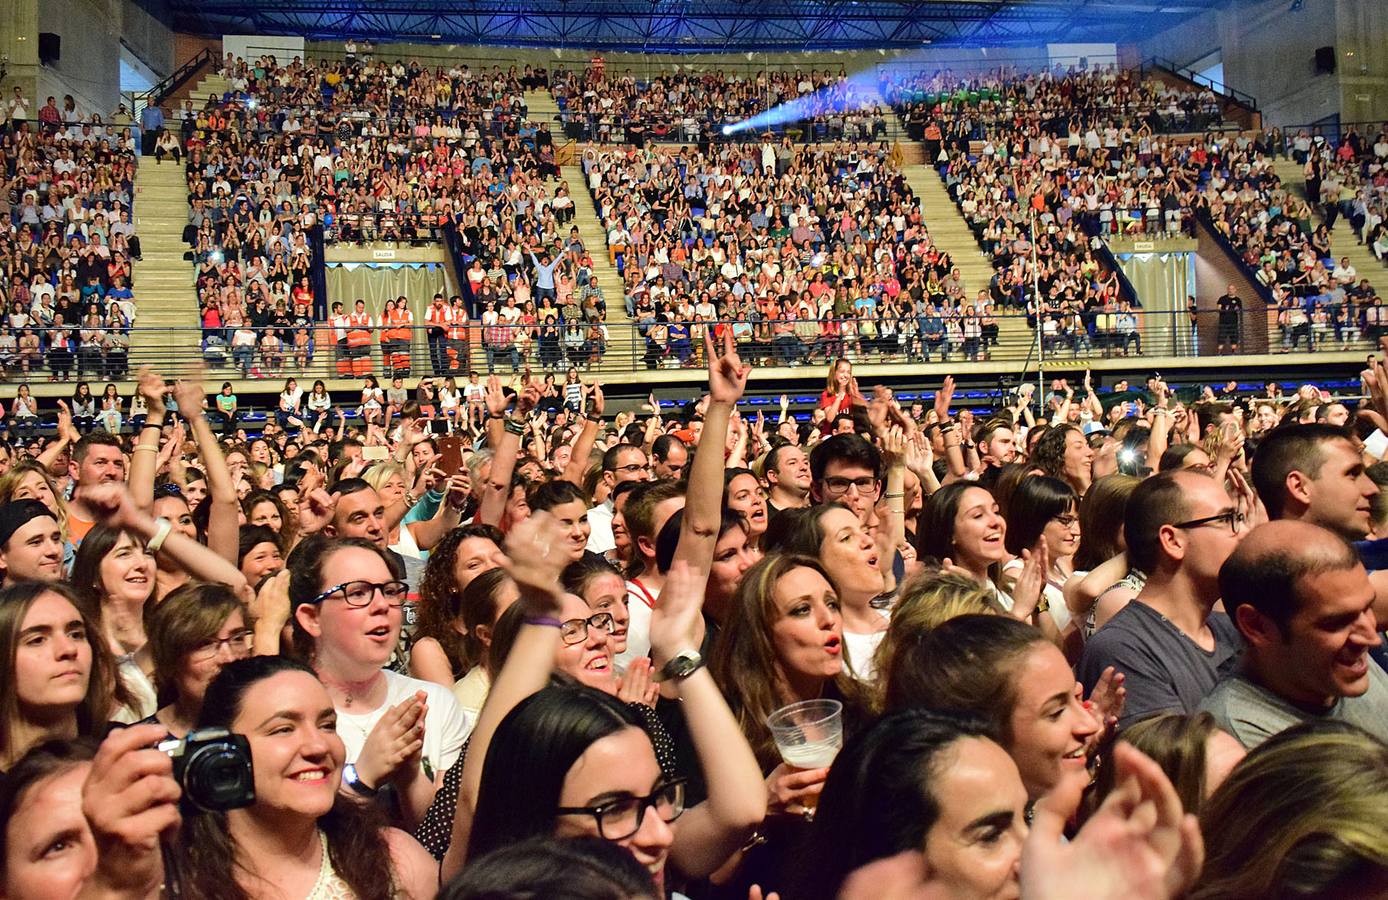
(161, 531)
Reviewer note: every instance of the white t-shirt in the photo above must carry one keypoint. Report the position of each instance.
(600, 538)
(861, 650)
(446, 725)
(640, 602)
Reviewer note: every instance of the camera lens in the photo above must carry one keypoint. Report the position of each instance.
(218, 776)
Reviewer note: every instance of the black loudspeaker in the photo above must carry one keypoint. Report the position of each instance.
(1325, 60)
(50, 47)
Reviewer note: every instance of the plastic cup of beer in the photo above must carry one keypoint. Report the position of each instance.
(808, 735)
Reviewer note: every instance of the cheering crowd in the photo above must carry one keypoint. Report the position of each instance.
(1102, 643)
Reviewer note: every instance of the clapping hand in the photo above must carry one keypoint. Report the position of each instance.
(393, 748)
(535, 560)
(1140, 845)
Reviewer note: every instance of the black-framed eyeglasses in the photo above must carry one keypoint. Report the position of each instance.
(575, 631)
(361, 593)
(633, 468)
(835, 486)
(1234, 518)
(621, 818)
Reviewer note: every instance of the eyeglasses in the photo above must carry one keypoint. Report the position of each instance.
(837, 487)
(1233, 517)
(633, 468)
(620, 819)
(1067, 521)
(361, 593)
(575, 631)
(238, 643)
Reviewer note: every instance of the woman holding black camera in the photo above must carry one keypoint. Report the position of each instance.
(301, 837)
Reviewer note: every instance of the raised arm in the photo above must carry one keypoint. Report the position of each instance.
(144, 462)
(119, 511)
(710, 833)
(507, 445)
(954, 452)
(703, 509)
(536, 569)
(224, 519)
(578, 460)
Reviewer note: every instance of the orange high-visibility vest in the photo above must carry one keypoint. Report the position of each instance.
(398, 325)
(457, 327)
(358, 330)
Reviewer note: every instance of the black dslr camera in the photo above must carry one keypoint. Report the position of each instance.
(213, 767)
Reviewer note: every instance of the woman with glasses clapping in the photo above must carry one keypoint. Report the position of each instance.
(400, 732)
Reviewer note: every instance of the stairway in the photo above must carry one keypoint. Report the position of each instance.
(952, 234)
(595, 239)
(1343, 241)
(948, 228)
(163, 287)
(211, 83)
(540, 107)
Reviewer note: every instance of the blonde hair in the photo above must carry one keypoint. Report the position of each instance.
(926, 602)
(1304, 815)
(9, 484)
(381, 472)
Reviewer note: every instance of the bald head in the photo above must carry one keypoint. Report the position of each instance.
(1265, 571)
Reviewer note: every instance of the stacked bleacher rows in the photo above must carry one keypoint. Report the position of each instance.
(690, 107)
(372, 151)
(66, 245)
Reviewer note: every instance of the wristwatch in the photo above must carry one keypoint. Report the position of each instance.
(681, 665)
(353, 781)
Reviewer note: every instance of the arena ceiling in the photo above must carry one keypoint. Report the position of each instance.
(690, 26)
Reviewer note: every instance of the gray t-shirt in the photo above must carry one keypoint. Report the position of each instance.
(1252, 714)
(1164, 670)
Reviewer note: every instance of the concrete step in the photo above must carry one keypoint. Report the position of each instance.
(1343, 241)
(948, 229)
(595, 238)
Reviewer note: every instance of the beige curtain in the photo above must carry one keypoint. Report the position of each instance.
(1162, 281)
(349, 282)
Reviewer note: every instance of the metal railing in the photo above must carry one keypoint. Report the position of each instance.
(1248, 101)
(179, 77)
(633, 348)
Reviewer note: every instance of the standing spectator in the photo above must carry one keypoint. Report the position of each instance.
(1230, 320)
(1304, 605)
(151, 123)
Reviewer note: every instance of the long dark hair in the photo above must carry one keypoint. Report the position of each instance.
(530, 756)
(1034, 504)
(208, 861)
(878, 800)
(935, 536)
(580, 868)
(964, 666)
(105, 691)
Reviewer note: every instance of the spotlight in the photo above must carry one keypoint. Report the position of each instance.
(251, 103)
(216, 257)
(727, 130)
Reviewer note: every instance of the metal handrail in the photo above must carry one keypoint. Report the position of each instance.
(1240, 97)
(179, 77)
(631, 348)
